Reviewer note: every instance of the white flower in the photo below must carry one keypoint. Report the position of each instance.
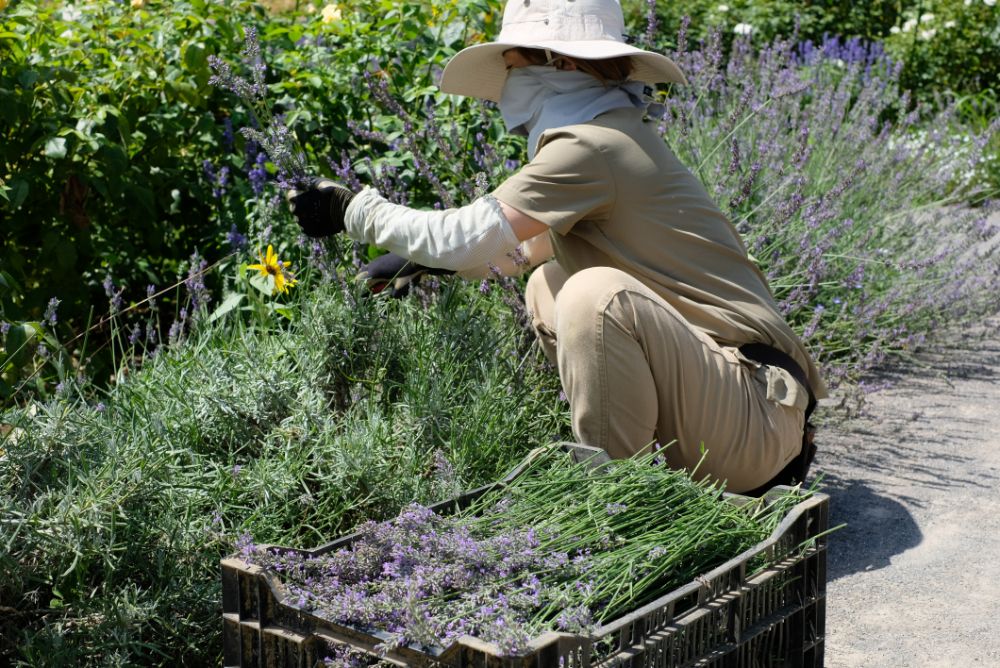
(950, 24)
(909, 25)
(894, 30)
(989, 3)
(331, 13)
(743, 29)
(722, 8)
(71, 13)
(927, 34)
(66, 34)
(925, 18)
(137, 4)
(968, 2)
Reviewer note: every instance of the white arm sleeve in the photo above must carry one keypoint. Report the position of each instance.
(456, 239)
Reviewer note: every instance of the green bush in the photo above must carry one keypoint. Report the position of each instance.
(945, 45)
(106, 119)
(948, 45)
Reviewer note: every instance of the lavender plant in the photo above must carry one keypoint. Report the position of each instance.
(562, 546)
(846, 196)
(268, 130)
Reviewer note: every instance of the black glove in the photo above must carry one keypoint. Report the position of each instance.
(395, 273)
(321, 207)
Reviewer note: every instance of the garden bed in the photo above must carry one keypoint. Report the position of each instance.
(764, 606)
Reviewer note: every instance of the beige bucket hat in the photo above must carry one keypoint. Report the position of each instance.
(590, 29)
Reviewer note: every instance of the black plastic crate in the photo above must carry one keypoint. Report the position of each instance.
(726, 618)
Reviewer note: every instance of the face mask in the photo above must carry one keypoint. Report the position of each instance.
(538, 98)
(523, 95)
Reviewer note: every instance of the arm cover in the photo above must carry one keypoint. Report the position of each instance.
(456, 239)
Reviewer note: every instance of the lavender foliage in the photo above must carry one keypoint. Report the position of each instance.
(846, 197)
(268, 130)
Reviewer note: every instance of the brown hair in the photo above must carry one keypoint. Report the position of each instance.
(608, 70)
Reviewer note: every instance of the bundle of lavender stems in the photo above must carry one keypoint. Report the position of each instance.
(563, 546)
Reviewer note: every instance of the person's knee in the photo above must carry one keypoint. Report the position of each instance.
(587, 293)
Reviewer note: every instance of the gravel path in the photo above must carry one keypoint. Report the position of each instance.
(914, 577)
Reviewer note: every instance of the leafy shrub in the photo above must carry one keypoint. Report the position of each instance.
(948, 45)
(107, 120)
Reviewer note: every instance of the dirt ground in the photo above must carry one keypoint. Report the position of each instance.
(914, 577)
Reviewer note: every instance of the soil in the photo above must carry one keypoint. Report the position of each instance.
(914, 576)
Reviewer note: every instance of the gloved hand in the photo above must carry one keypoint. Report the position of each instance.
(321, 207)
(395, 273)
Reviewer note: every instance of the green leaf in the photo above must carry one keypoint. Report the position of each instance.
(18, 342)
(231, 301)
(19, 193)
(264, 284)
(8, 284)
(55, 148)
(195, 58)
(141, 198)
(27, 78)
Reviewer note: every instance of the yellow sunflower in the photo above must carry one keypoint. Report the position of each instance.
(271, 266)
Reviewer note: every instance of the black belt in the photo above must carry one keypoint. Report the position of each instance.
(797, 469)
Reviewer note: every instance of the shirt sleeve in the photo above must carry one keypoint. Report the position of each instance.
(569, 180)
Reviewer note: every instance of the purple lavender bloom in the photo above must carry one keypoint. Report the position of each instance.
(615, 508)
(258, 174)
(221, 183)
(50, 312)
(195, 282)
(236, 239)
(245, 545)
(176, 331)
(113, 293)
(228, 137)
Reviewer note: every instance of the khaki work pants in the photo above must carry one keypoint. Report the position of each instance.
(636, 372)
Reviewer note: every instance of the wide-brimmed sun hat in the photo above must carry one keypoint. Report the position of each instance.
(588, 29)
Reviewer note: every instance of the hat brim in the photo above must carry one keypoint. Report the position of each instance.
(480, 71)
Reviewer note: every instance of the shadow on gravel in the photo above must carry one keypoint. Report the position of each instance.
(878, 528)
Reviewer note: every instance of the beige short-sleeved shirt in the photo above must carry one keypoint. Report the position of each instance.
(615, 195)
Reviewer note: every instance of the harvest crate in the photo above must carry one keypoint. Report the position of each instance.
(726, 618)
